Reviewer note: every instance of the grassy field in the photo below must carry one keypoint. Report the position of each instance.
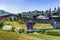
(53, 32)
(45, 37)
(48, 35)
(8, 35)
(42, 26)
(4, 35)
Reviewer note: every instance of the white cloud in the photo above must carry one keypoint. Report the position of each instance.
(2, 8)
(9, 8)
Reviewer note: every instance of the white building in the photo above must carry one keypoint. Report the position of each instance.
(42, 17)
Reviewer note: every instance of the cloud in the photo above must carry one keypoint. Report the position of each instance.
(2, 8)
(9, 8)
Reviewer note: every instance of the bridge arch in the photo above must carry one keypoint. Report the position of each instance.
(5, 17)
(31, 22)
(42, 26)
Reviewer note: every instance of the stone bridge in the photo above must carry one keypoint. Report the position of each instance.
(30, 22)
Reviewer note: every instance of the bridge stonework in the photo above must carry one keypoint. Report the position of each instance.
(56, 25)
(30, 22)
(30, 25)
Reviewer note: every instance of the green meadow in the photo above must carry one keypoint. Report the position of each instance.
(49, 35)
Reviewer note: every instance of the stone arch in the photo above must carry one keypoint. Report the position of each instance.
(3, 18)
(31, 22)
(55, 24)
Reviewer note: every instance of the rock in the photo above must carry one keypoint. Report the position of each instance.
(6, 27)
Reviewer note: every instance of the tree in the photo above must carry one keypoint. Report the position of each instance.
(36, 11)
(58, 11)
(50, 10)
(58, 8)
(46, 12)
(34, 16)
(42, 11)
(55, 8)
(37, 15)
(1, 24)
(19, 14)
(29, 12)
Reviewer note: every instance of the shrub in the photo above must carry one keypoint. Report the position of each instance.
(21, 30)
(13, 29)
(1, 24)
(53, 32)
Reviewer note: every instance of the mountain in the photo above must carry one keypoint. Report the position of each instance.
(32, 12)
(2, 12)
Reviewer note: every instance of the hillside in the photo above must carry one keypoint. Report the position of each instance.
(3, 12)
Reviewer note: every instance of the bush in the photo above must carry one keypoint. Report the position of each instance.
(1, 24)
(21, 30)
(53, 32)
(13, 29)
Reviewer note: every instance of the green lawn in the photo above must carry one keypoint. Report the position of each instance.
(45, 37)
(48, 35)
(53, 32)
(42, 26)
(5, 35)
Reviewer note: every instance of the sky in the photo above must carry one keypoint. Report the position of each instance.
(18, 6)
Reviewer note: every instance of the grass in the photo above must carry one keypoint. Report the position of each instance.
(42, 26)
(8, 35)
(4, 35)
(48, 35)
(45, 37)
(53, 32)
(15, 24)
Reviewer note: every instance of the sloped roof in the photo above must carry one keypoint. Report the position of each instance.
(42, 17)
